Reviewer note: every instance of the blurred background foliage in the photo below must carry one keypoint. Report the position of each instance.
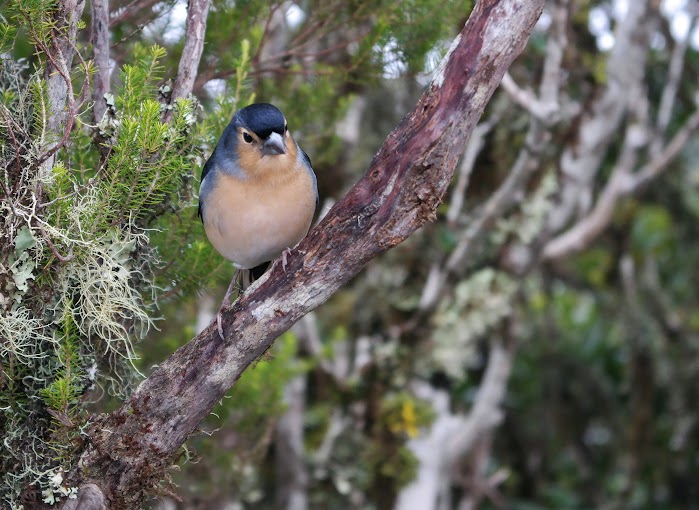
(600, 387)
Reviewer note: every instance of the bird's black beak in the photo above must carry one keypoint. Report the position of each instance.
(274, 145)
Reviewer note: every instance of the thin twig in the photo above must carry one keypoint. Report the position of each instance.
(54, 250)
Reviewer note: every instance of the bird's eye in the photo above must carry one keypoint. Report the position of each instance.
(286, 128)
(247, 137)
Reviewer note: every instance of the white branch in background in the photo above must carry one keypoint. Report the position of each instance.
(656, 166)
(546, 107)
(623, 182)
(581, 161)
(544, 111)
(451, 436)
(422, 493)
(672, 84)
(290, 465)
(485, 413)
(195, 31)
(473, 148)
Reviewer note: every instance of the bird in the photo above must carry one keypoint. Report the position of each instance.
(258, 194)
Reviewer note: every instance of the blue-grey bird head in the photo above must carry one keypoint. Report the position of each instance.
(267, 122)
(256, 132)
(269, 127)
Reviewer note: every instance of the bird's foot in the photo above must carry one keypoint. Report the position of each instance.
(285, 254)
(219, 326)
(226, 303)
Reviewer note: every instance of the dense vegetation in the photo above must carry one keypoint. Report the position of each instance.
(535, 346)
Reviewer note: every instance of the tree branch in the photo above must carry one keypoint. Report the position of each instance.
(100, 46)
(129, 449)
(674, 77)
(191, 53)
(582, 159)
(622, 183)
(451, 435)
(57, 73)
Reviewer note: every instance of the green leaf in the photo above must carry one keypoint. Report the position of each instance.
(24, 240)
(651, 229)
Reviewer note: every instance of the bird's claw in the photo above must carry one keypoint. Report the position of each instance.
(219, 325)
(225, 304)
(285, 254)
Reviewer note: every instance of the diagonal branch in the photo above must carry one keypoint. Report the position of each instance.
(129, 449)
(526, 164)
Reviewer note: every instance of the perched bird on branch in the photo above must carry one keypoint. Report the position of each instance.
(258, 194)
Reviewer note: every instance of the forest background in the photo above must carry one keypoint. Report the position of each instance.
(535, 346)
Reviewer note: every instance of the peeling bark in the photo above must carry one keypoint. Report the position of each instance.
(128, 450)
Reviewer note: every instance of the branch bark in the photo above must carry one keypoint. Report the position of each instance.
(197, 12)
(100, 45)
(581, 161)
(59, 86)
(128, 450)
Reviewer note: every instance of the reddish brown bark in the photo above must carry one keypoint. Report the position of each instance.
(129, 449)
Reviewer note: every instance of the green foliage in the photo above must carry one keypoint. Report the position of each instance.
(404, 415)
(76, 279)
(594, 266)
(35, 16)
(396, 467)
(414, 27)
(651, 231)
(7, 35)
(63, 392)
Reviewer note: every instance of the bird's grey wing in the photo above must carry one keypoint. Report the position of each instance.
(307, 160)
(207, 168)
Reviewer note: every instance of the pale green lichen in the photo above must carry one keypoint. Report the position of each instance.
(479, 303)
(76, 267)
(527, 221)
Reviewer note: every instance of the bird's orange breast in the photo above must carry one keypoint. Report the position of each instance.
(250, 221)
